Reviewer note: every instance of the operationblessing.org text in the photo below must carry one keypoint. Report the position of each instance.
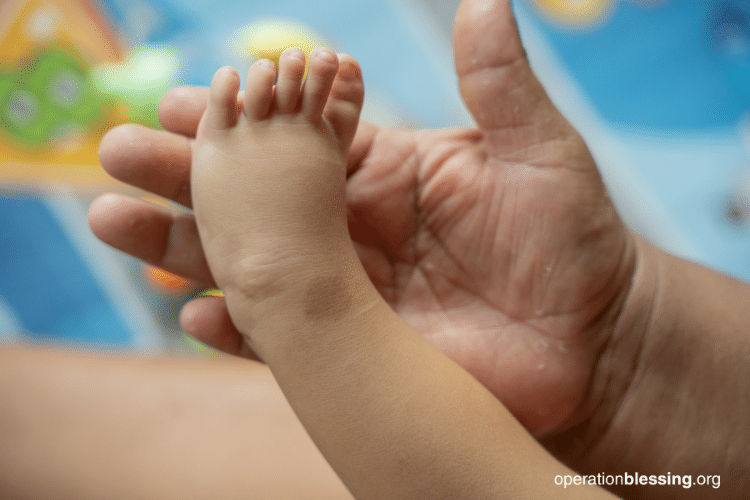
(635, 479)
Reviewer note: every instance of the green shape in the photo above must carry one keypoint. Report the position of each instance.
(64, 85)
(24, 114)
(140, 81)
(200, 347)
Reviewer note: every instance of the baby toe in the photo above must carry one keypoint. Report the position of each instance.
(291, 71)
(259, 90)
(222, 110)
(320, 76)
(345, 101)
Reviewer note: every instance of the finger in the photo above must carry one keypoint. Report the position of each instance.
(497, 83)
(181, 109)
(361, 145)
(207, 320)
(154, 160)
(166, 239)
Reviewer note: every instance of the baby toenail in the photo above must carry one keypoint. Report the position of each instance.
(326, 56)
(295, 54)
(265, 64)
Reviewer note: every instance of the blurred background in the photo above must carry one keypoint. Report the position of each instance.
(659, 89)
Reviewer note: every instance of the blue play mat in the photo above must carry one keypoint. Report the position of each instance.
(661, 92)
(673, 66)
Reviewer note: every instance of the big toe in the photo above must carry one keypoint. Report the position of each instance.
(496, 82)
(345, 100)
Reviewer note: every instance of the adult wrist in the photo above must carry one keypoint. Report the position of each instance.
(625, 324)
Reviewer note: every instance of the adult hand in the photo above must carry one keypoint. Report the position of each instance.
(498, 244)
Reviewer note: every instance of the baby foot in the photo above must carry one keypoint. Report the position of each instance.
(269, 174)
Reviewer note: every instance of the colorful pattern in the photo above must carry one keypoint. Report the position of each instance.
(50, 113)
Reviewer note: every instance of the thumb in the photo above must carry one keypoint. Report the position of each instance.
(497, 84)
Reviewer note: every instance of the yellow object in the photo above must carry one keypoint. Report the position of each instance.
(575, 13)
(166, 281)
(268, 38)
(160, 201)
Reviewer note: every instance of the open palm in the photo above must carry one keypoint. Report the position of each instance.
(498, 244)
(509, 267)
